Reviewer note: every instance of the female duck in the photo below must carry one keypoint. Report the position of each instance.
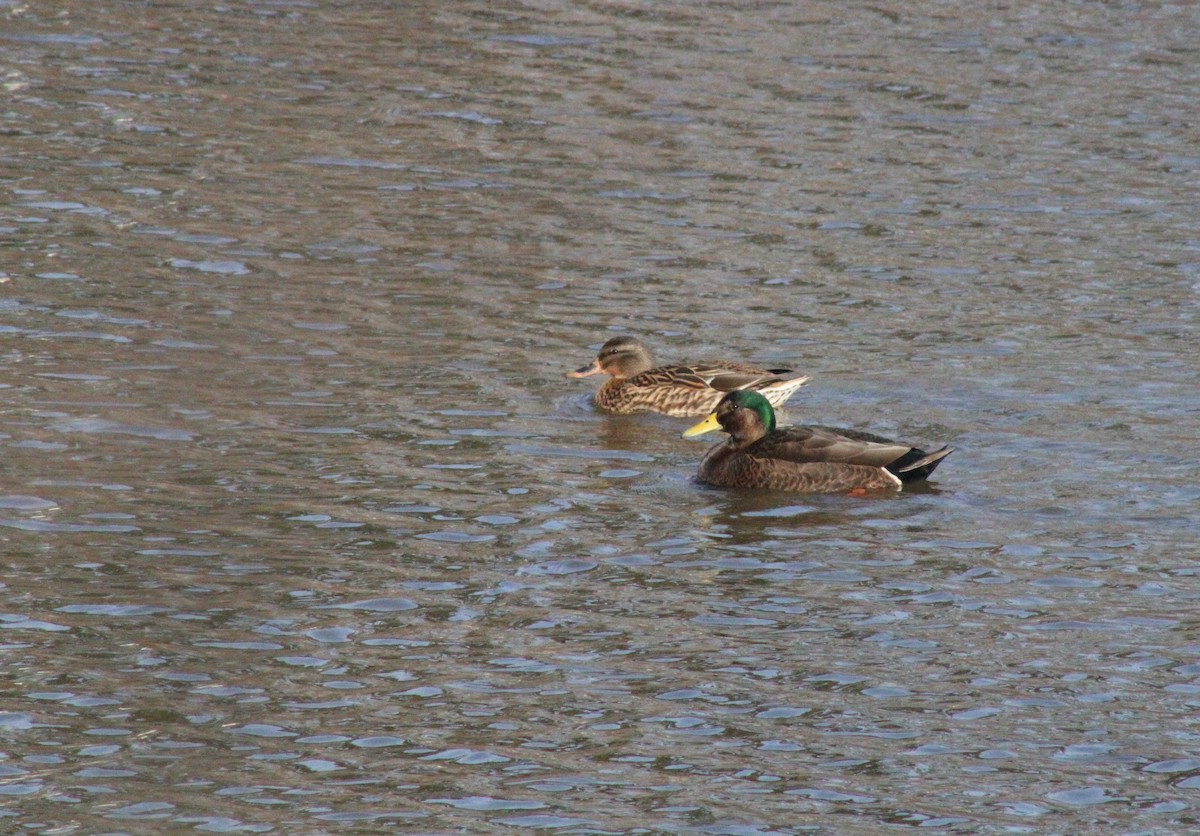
(638, 385)
(806, 459)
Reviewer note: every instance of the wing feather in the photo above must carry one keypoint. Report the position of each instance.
(719, 375)
(803, 445)
(669, 377)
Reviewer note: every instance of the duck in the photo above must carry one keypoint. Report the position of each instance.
(638, 384)
(758, 454)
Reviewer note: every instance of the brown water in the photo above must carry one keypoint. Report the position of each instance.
(304, 531)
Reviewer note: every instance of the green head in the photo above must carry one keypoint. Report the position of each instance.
(744, 414)
(753, 401)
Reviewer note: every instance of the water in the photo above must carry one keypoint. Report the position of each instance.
(304, 531)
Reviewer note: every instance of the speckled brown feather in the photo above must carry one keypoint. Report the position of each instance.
(681, 391)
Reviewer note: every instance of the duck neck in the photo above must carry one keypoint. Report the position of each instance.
(608, 394)
(745, 436)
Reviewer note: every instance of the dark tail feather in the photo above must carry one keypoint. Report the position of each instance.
(788, 374)
(917, 464)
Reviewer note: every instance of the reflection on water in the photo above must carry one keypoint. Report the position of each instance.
(304, 531)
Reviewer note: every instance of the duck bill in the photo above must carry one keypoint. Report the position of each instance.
(584, 371)
(706, 426)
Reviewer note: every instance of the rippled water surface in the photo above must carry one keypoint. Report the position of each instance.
(304, 531)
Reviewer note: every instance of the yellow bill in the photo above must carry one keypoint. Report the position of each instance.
(706, 426)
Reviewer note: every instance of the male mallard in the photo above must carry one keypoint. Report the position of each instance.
(638, 385)
(807, 459)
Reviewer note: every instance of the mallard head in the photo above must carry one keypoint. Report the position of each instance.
(745, 415)
(619, 357)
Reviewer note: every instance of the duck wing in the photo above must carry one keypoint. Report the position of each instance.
(725, 376)
(803, 445)
(675, 376)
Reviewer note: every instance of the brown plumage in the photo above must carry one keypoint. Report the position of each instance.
(680, 389)
(803, 459)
